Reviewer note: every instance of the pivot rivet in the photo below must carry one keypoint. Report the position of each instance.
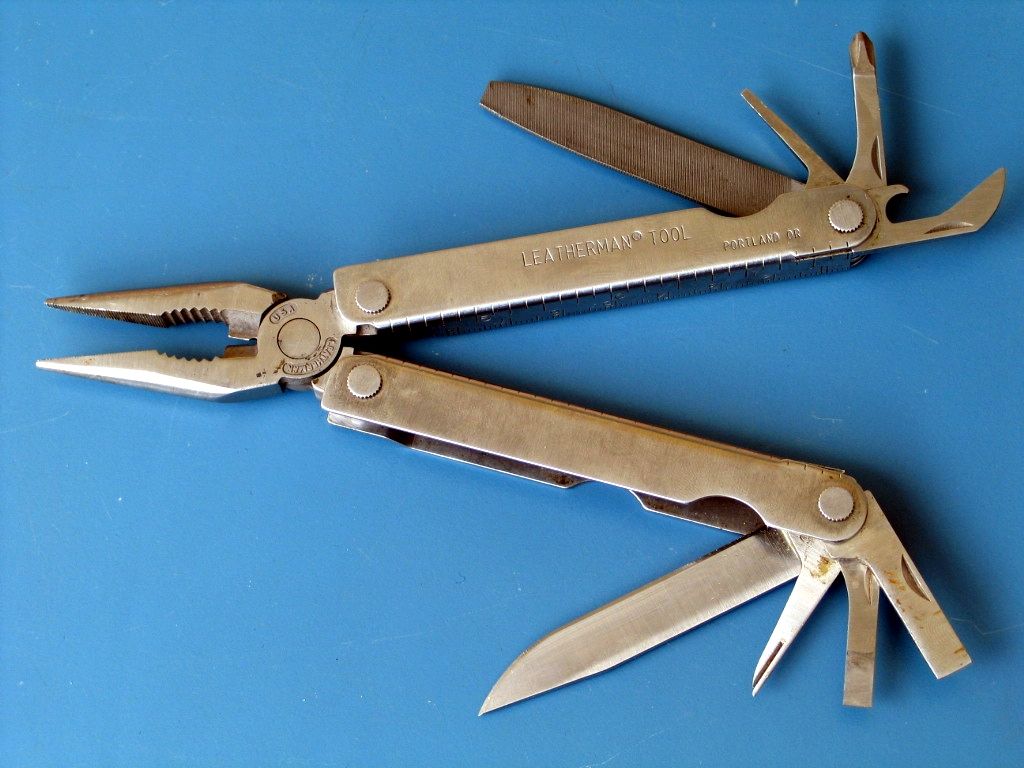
(845, 215)
(298, 338)
(372, 296)
(835, 504)
(364, 381)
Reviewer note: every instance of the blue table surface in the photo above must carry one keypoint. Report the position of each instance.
(193, 584)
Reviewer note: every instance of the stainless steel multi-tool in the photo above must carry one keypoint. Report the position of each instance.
(795, 520)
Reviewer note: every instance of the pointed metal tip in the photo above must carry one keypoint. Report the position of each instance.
(862, 51)
(118, 368)
(517, 103)
(998, 180)
(239, 305)
(496, 94)
(76, 366)
(976, 207)
(988, 194)
(487, 706)
(762, 672)
(115, 305)
(492, 703)
(222, 378)
(503, 693)
(131, 368)
(96, 304)
(766, 664)
(485, 99)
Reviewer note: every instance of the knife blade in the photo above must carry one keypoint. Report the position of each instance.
(675, 163)
(649, 616)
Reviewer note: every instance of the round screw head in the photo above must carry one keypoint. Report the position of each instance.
(835, 504)
(298, 338)
(364, 381)
(372, 296)
(845, 215)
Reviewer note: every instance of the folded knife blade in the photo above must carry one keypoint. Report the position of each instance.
(675, 163)
(649, 616)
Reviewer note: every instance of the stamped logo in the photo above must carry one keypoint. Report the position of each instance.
(316, 362)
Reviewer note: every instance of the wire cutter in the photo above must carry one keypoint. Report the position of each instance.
(795, 520)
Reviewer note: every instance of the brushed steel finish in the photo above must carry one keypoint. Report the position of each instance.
(861, 634)
(868, 169)
(417, 401)
(675, 163)
(566, 445)
(817, 572)
(564, 271)
(296, 340)
(640, 260)
(795, 516)
(649, 616)
(877, 546)
(239, 306)
(819, 174)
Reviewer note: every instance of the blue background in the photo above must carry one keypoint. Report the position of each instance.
(185, 583)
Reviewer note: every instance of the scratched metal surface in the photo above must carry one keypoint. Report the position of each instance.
(184, 583)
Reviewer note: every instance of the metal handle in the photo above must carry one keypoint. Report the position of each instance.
(578, 270)
(548, 440)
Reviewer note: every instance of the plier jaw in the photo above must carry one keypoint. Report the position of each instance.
(295, 339)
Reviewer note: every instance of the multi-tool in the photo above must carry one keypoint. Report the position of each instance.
(795, 520)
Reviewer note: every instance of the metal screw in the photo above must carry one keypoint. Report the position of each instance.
(835, 504)
(364, 381)
(372, 296)
(845, 215)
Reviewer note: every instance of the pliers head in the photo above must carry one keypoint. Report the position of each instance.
(296, 340)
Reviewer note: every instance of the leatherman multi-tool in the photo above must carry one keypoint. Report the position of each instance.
(795, 520)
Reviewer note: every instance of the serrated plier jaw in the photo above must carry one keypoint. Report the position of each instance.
(296, 339)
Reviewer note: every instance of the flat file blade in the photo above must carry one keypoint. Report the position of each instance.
(649, 616)
(675, 163)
